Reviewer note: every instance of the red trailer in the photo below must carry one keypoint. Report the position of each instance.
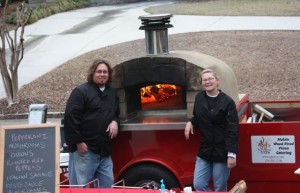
(157, 93)
(152, 146)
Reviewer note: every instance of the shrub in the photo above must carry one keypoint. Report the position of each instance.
(47, 10)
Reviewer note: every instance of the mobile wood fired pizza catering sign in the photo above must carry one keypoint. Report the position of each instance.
(273, 149)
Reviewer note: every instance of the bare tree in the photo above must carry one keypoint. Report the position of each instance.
(12, 50)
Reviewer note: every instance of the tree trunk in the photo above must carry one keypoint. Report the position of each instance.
(3, 66)
(9, 71)
(6, 78)
(15, 85)
(7, 86)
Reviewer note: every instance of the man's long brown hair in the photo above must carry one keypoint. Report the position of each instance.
(93, 67)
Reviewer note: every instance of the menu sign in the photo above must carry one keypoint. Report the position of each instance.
(30, 158)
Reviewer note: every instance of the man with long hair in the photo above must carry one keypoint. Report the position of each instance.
(91, 121)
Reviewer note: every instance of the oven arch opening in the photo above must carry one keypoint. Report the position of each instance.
(155, 97)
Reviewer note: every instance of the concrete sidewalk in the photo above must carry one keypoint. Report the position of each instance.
(59, 38)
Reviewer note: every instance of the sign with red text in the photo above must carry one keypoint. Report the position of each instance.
(273, 149)
(29, 159)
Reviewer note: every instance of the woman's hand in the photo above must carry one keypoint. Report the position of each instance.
(188, 129)
(231, 162)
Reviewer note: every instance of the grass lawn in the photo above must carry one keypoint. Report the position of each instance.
(231, 8)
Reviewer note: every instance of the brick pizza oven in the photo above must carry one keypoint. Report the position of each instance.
(163, 81)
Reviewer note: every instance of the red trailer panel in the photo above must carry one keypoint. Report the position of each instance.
(153, 147)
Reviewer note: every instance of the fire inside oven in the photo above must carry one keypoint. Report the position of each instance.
(161, 96)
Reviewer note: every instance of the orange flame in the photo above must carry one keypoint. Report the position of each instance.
(157, 93)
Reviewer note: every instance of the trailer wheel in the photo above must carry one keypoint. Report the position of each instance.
(141, 175)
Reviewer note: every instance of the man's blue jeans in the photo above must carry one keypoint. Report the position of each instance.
(83, 168)
(205, 170)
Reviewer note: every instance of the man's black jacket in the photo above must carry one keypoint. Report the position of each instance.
(87, 116)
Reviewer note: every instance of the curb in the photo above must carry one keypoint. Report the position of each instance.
(51, 115)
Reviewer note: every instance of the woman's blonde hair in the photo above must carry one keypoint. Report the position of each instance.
(214, 73)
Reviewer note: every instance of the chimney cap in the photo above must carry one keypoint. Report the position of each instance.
(156, 21)
(156, 16)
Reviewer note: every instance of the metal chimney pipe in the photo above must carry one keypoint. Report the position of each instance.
(156, 33)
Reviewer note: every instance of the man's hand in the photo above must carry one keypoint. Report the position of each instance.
(112, 129)
(82, 147)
